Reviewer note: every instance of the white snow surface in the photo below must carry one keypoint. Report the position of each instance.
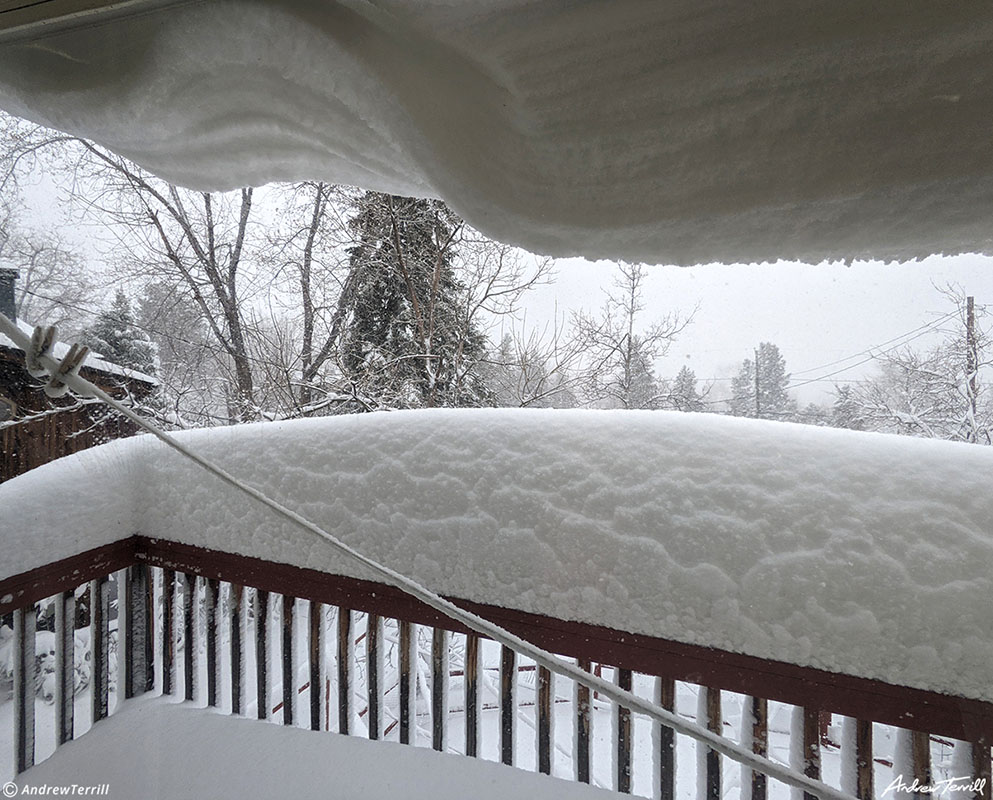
(166, 751)
(858, 553)
(678, 132)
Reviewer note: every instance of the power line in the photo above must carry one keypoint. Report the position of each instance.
(870, 355)
(923, 328)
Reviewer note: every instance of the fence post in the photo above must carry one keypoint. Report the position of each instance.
(624, 736)
(316, 613)
(168, 629)
(439, 689)
(65, 666)
(760, 743)
(345, 652)
(811, 746)
(261, 654)
(472, 695)
(189, 593)
(508, 703)
(100, 646)
(544, 712)
(24, 687)
(374, 673)
(211, 599)
(137, 631)
(289, 675)
(408, 675)
(584, 727)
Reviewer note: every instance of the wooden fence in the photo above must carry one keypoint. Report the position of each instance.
(197, 593)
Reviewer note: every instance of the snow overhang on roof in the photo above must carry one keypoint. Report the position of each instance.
(675, 131)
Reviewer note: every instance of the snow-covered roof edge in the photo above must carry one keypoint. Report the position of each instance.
(664, 132)
(93, 360)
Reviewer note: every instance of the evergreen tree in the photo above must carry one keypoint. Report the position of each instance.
(773, 382)
(683, 395)
(116, 338)
(407, 342)
(846, 411)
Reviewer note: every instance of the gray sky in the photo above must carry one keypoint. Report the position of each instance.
(816, 314)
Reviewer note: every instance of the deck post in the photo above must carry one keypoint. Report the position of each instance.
(24, 691)
(65, 671)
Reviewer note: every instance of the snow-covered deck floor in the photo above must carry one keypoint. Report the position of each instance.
(159, 749)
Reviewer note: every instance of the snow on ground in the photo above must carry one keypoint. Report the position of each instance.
(674, 132)
(860, 553)
(158, 750)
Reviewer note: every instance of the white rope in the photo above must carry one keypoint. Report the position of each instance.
(625, 698)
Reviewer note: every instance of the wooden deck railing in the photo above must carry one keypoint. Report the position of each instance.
(375, 662)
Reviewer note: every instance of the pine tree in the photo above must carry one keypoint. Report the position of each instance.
(407, 343)
(683, 395)
(116, 338)
(846, 410)
(774, 401)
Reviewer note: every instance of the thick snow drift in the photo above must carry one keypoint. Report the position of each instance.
(682, 131)
(859, 553)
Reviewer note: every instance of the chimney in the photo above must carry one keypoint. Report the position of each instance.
(8, 277)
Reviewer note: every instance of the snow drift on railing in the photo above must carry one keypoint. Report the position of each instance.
(858, 553)
(679, 132)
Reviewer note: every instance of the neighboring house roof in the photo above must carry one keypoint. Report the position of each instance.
(676, 131)
(93, 360)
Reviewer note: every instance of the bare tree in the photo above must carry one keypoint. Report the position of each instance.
(620, 353)
(936, 393)
(52, 282)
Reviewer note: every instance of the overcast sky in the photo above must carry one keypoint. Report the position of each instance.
(816, 314)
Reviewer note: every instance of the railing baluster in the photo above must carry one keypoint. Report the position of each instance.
(665, 776)
(24, 691)
(545, 738)
(472, 695)
(211, 599)
(711, 707)
(137, 630)
(811, 747)
(316, 618)
(189, 595)
(168, 631)
(623, 736)
(920, 750)
(863, 760)
(981, 770)
(408, 694)
(100, 646)
(374, 667)
(289, 673)
(65, 668)
(237, 648)
(508, 703)
(760, 744)
(261, 654)
(439, 689)
(584, 728)
(346, 651)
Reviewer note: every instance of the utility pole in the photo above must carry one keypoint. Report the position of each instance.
(971, 364)
(758, 406)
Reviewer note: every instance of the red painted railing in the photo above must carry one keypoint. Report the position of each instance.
(385, 653)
